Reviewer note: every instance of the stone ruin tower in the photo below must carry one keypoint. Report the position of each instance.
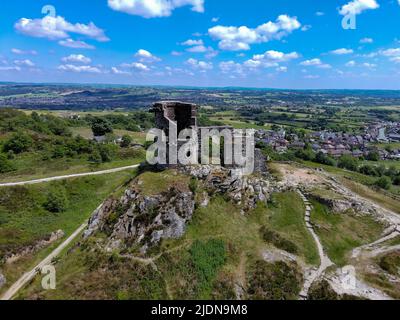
(184, 116)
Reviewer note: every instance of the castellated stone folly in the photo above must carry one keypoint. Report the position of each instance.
(178, 140)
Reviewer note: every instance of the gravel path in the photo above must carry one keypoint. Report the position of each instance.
(96, 173)
(313, 274)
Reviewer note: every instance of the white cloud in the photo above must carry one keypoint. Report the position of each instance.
(351, 63)
(24, 52)
(24, 63)
(306, 27)
(358, 6)
(310, 76)
(77, 58)
(176, 53)
(231, 67)
(10, 69)
(315, 63)
(282, 69)
(369, 65)
(312, 62)
(78, 69)
(137, 66)
(270, 58)
(200, 65)
(393, 54)
(55, 28)
(342, 51)
(197, 49)
(70, 43)
(145, 55)
(154, 8)
(216, 19)
(240, 38)
(192, 42)
(117, 71)
(320, 13)
(367, 40)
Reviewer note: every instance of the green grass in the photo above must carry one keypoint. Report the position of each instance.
(23, 220)
(219, 245)
(287, 218)
(30, 166)
(85, 132)
(340, 233)
(151, 183)
(360, 184)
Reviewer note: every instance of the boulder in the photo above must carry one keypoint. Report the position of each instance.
(3, 280)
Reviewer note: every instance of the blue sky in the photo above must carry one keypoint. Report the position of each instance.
(254, 43)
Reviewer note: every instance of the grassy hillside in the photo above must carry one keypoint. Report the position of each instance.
(24, 218)
(219, 257)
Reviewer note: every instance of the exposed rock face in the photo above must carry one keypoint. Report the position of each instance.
(143, 220)
(3, 280)
(245, 191)
(139, 220)
(346, 204)
(41, 244)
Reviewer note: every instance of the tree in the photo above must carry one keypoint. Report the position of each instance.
(348, 162)
(5, 164)
(18, 143)
(324, 159)
(384, 183)
(126, 141)
(101, 127)
(57, 201)
(373, 156)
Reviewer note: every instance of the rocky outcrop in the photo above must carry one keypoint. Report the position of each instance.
(3, 280)
(245, 191)
(39, 245)
(344, 204)
(141, 220)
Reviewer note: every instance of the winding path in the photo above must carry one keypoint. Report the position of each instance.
(313, 274)
(77, 175)
(21, 282)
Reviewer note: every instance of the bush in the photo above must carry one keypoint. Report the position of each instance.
(391, 263)
(57, 201)
(5, 164)
(384, 183)
(324, 159)
(126, 141)
(348, 162)
(193, 185)
(278, 241)
(101, 127)
(373, 156)
(18, 143)
(207, 258)
(278, 281)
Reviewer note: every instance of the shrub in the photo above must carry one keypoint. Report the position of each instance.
(391, 263)
(373, 156)
(207, 258)
(193, 185)
(126, 141)
(384, 183)
(278, 281)
(57, 201)
(5, 164)
(348, 162)
(18, 143)
(278, 241)
(101, 127)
